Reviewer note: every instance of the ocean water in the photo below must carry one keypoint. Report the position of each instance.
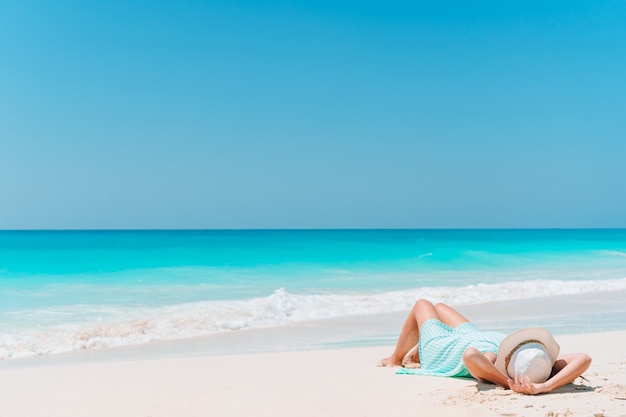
(64, 291)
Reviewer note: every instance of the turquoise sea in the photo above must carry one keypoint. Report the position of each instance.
(63, 291)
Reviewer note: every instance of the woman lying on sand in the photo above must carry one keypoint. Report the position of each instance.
(444, 343)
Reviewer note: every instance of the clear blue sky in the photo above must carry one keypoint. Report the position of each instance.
(211, 114)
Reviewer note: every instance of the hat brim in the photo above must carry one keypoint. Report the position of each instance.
(518, 338)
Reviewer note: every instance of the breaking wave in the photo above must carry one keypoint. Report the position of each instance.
(79, 327)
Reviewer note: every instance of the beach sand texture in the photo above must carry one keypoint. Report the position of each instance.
(332, 382)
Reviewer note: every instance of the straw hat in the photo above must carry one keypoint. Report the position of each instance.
(531, 352)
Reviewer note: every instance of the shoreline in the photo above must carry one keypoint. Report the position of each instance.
(564, 314)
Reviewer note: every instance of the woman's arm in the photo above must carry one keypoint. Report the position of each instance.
(482, 368)
(566, 369)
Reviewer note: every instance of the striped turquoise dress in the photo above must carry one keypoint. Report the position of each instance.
(441, 347)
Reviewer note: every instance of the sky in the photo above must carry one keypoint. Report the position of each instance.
(312, 114)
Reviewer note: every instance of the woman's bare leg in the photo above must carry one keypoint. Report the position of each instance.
(422, 311)
(449, 316)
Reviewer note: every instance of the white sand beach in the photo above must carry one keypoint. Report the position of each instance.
(330, 382)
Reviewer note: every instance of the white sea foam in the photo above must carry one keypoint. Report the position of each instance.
(81, 327)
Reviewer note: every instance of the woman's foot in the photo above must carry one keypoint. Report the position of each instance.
(389, 362)
(412, 358)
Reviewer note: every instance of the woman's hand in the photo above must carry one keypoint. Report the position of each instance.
(523, 385)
